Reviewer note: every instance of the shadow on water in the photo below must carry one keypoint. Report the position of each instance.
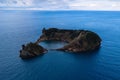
(33, 58)
(89, 52)
(86, 55)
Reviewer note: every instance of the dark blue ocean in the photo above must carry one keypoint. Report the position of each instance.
(20, 27)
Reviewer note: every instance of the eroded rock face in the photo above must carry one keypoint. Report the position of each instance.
(31, 50)
(78, 40)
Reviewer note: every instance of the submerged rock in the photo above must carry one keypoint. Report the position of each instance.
(31, 50)
(78, 40)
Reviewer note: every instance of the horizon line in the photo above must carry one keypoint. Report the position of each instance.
(54, 10)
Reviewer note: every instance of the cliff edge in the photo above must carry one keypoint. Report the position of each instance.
(31, 50)
(78, 40)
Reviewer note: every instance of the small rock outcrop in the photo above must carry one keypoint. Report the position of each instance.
(78, 40)
(31, 50)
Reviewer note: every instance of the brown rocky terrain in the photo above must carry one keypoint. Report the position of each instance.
(31, 50)
(78, 40)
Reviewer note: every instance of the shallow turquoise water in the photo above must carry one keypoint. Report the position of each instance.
(19, 27)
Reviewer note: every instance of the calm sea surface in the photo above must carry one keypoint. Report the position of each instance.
(20, 27)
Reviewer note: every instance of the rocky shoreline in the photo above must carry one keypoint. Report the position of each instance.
(78, 41)
(31, 50)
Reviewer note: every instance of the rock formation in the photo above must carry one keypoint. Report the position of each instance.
(78, 40)
(31, 50)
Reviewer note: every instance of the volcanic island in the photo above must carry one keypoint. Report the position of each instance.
(77, 41)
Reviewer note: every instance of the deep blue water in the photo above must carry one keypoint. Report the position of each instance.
(19, 27)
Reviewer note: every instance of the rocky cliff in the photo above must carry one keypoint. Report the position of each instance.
(31, 50)
(78, 40)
